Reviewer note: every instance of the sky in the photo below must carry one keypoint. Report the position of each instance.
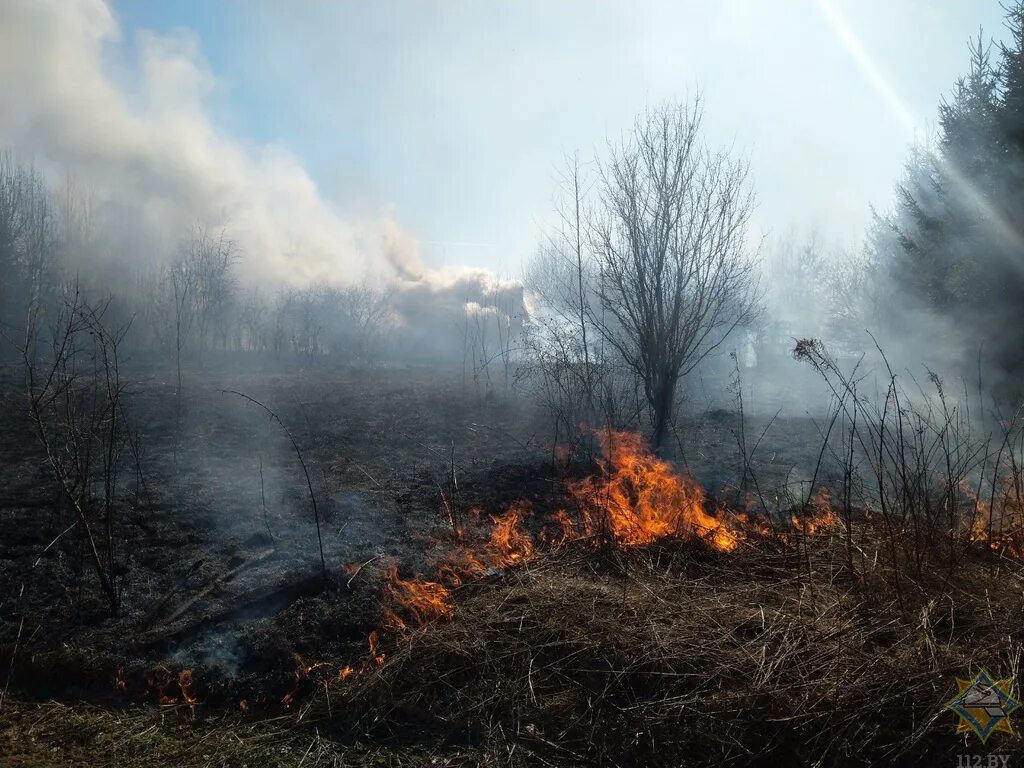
(431, 133)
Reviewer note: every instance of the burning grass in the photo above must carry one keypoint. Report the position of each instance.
(634, 499)
(663, 654)
(668, 654)
(657, 629)
(638, 499)
(640, 624)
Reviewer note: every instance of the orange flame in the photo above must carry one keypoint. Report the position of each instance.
(374, 642)
(423, 600)
(638, 499)
(822, 517)
(302, 671)
(510, 544)
(1002, 531)
(162, 681)
(185, 686)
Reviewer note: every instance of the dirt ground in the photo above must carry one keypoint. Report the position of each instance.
(223, 571)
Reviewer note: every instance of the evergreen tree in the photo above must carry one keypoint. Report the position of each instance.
(955, 240)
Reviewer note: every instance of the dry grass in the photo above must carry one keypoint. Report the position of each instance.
(53, 734)
(670, 656)
(663, 655)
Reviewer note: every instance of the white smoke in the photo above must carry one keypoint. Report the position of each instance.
(130, 121)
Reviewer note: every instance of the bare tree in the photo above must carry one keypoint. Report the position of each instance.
(676, 273)
(76, 403)
(561, 276)
(853, 296)
(366, 313)
(182, 280)
(209, 261)
(28, 239)
(252, 321)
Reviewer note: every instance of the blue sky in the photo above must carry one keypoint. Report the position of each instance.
(453, 115)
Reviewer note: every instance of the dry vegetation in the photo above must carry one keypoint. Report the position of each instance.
(662, 655)
(628, 619)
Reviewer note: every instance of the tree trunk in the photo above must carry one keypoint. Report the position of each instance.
(662, 405)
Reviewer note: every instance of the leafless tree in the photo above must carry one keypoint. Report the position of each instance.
(366, 313)
(853, 298)
(209, 260)
(561, 280)
(676, 271)
(28, 238)
(182, 280)
(76, 403)
(252, 321)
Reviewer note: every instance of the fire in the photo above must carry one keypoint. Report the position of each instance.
(1003, 531)
(638, 499)
(162, 683)
(634, 500)
(566, 528)
(302, 671)
(509, 543)
(423, 600)
(822, 518)
(185, 686)
(374, 642)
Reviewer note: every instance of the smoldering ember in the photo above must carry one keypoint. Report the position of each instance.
(511, 383)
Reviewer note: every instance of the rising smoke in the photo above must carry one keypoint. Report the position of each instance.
(125, 124)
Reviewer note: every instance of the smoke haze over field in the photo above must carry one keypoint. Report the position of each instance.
(128, 120)
(339, 145)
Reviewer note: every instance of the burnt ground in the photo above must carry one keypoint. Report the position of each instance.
(223, 572)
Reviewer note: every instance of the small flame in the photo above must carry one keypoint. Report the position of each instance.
(1004, 531)
(822, 518)
(302, 671)
(162, 682)
(374, 642)
(185, 686)
(422, 600)
(509, 543)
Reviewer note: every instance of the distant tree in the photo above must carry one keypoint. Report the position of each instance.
(209, 260)
(29, 234)
(368, 315)
(954, 241)
(798, 271)
(670, 238)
